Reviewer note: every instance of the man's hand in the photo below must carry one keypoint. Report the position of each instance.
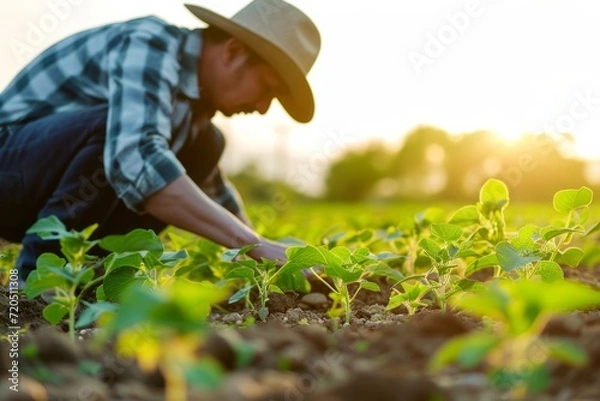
(269, 250)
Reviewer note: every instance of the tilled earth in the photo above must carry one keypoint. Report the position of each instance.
(298, 354)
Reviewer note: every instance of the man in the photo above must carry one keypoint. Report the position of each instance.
(112, 125)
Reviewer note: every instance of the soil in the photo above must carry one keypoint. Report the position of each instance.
(299, 353)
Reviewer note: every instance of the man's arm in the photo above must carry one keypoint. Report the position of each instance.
(222, 191)
(182, 204)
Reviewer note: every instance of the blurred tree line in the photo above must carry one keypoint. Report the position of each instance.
(434, 165)
(431, 164)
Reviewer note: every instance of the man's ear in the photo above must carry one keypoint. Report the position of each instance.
(234, 52)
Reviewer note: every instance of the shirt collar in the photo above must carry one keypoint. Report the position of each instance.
(192, 48)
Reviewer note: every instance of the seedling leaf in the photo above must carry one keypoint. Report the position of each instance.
(465, 216)
(549, 271)
(571, 257)
(55, 312)
(595, 228)
(263, 312)
(570, 199)
(93, 312)
(468, 351)
(240, 272)
(430, 215)
(49, 228)
(370, 286)
(135, 241)
(42, 278)
(84, 276)
(119, 280)
(116, 260)
(526, 238)
(294, 281)
(567, 351)
(302, 258)
(481, 263)
(240, 294)
(447, 232)
(171, 258)
(230, 254)
(431, 248)
(493, 195)
(510, 259)
(550, 232)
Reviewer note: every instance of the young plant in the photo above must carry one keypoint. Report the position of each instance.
(575, 204)
(411, 297)
(204, 256)
(264, 276)
(342, 266)
(404, 240)
(493, 201)
(68, 279)
(136, 257)
(541, 251)
(164, 328)
(511, 346)
(445, 248)
(484, 225)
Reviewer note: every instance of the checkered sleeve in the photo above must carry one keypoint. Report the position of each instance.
(143, 72)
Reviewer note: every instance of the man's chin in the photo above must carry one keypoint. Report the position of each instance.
(229, 113)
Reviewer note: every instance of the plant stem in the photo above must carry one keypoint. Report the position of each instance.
(264, 291)
(175, 389)
(413, 247)
(323, 281)
(562, 237)
(72, 307)
(346, 300)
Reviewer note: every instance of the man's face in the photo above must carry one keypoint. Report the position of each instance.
(245, 85)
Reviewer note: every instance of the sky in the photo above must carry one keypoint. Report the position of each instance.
(385, 67)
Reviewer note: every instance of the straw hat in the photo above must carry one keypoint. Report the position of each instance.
(281, 35)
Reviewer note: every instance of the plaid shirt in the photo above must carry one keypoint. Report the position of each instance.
(145, 70)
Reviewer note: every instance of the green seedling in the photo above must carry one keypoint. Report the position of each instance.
(483, 226)
(404, 240)
(342, 266)
(511, 346)
(67, 280)
(445, 247)
(575, 204)
(493, 201)
(136, 257)
(264, 276)
(541, 251)
(204, 256)
(411, 297)
(164, 328)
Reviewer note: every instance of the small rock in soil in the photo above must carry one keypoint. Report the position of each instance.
(315, 300)
(232, 318)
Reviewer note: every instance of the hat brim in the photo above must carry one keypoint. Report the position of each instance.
(298, 101)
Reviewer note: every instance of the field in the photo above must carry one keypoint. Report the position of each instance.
(488, 301)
